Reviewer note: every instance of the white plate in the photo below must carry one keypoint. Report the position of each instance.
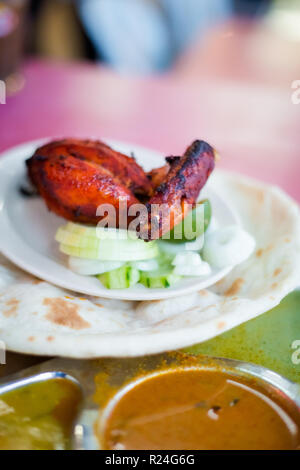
(28, 229)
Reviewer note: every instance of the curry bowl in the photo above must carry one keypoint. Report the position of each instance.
(203, 404)
(151, 403)
(38, 412)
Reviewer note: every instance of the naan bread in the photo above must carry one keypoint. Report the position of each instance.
(39, 318)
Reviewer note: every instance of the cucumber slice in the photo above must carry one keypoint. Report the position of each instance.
(84, 241)
(111, 244)
(193, 225)
(113, 250)
(159, 278)
(121, 278)
(74, 239)
(101, 233)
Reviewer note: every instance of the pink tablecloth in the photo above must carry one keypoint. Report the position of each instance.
(255, 128)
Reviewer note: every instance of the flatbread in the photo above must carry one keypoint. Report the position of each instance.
(39, 318)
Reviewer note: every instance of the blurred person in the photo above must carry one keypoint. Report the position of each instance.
(136, 36)
(144, 36)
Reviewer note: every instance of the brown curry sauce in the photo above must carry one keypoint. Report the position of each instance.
(198, 409)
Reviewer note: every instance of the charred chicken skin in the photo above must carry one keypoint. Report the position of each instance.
(75, 177)
(179, 190)
(123, 168)
(158, 175)
(75, 188)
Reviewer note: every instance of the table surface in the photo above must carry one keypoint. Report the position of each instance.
(233, 91)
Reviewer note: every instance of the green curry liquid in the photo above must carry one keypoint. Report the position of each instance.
(39, 416)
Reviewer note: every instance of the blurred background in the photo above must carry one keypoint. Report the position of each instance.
(159, 73)
(133, 36)
(136, 36)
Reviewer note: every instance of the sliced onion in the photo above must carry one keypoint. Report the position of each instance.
(213, 226)
(202, 270)
(228, 246)
(195, 245)
(189, 263)
(146, 265)
(91, 267)
(187, 258)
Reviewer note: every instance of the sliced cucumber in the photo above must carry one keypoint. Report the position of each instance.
(74, 239)
(121, 278)
(113, 250)
(103, 244)
(159, 279)
(85, 241)
(193, 225)
(91, 267)
(101, 233)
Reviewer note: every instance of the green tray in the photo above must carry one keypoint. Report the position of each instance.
(269, 340)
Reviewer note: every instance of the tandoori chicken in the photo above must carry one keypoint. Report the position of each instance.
(75, 177)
